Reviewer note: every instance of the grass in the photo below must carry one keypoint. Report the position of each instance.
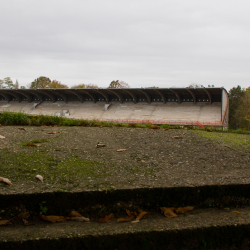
(11, 118)
(236, 140)
(59, 172)
(35, 141)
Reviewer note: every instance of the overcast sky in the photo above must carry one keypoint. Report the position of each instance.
(144, 43)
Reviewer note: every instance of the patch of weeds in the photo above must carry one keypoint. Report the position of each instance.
(35, 141)
(43, 208)
(235, 140)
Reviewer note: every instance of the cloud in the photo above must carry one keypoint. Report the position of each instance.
(144, 43)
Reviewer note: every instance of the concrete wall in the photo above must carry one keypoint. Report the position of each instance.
(172, 112)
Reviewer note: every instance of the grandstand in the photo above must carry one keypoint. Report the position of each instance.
(185, 106)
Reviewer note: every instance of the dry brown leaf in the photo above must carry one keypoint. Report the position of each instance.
(39, 177)
(121, 150)
(182, 210)
(22, 128)
(107, 218)
(5, 180)
(128, 218)
(52, 218)
(237, 212)
(168, 212)
(54, 132)
(32, 144)
(80, 218)
(74, 214)
(177, 137)
(141, 215)
(166, 128)
(24, 215)
(4, 222)
(131, 213)
(2, 137)
(154, 127)
(100, 145)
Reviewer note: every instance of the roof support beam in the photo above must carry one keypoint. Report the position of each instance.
(52, 97)
(80, 97)
(106, 97)
(64, 97)
(146, 94)
(18, 97)
(6, 96)
(209, 96)
(161, 94)
(27, 95)
(33, 92)
(120, 97)
(134, 97)
(177, 95)
(192, 94)
(93, 97)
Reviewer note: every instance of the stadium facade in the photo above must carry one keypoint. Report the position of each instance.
(184, 106)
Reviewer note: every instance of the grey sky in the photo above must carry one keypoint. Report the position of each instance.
(144, 43)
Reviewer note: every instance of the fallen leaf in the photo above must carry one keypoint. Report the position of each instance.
(54, 132)
(154, 127)
(80, 218)
(166, 128)
(121, 150)
(142, 160)
(107, 218)
(128, 218)
(182, 210)
(24, 215)
(100, 145)
(22, 128)
(236, 212)
(141, 215)
(32, 144)
(2, 137)
(52, 218)
(4, 222)
(5, 180)
(74, 214)
(168, 212)
(39, 177)
(177, 137)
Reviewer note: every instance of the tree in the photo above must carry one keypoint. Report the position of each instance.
(1, 84)
(57, 85)
(40, 83)
(242, 113)
(235, 101)
(118, 85)
(17, 85)
(91, 86)
(80, 86)
(8, 83)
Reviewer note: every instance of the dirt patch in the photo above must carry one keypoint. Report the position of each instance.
(70, 160)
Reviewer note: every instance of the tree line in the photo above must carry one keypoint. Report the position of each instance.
(43, 82)
(239, 108)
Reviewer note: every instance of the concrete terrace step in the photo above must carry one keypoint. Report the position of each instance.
(198, 229)
(115, 200)
(214, 223)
